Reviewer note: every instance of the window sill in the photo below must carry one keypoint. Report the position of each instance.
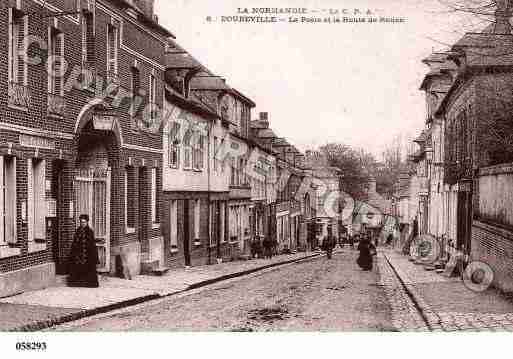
(36, 247)
(6, 251)
(155, 225)
(19, 108)
(130, 230)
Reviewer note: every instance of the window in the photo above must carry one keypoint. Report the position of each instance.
(233, 178)
(130, 199)
(222, 221)
(173, 225)
(198, 152)
(216, 161)
(174, 145)
(112, 52)
(87, 38)
(197, 220)
(17, 32)
(154, 202)
(36, 206)
(223, 156)
(187, 150)
(8, 200)
(55, 72)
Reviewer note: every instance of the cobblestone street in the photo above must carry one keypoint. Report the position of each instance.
(311, 295)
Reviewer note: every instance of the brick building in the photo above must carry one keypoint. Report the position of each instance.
(70, 140)
(477, 123)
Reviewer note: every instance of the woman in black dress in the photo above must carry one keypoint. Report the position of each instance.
(367, 251)
(83, 257)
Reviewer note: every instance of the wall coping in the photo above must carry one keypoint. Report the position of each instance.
(503, 168)
(495, 229)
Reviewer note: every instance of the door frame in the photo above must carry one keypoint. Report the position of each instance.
(90, 176)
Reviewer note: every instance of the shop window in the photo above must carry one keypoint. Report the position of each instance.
(154, 196)
(173, 225)
(8, 200)
(197, 220)
(130, 199)
(36, 207)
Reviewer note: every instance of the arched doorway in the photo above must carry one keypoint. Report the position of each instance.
(98, 146)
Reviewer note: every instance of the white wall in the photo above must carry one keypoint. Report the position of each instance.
(179, 179)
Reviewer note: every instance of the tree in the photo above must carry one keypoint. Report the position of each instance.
(354, 165)
(394, 161)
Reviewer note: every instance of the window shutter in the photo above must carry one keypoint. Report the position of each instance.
(84, 40)
(59, 42)
(20, 24)
(2, 201)
(112, 49)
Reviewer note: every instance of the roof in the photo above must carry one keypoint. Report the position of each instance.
(181, 60)
(421, 138)
(486, 49)
(145, 19)
(243, 97)
(267, 133)
(280, 141)
(207, 82)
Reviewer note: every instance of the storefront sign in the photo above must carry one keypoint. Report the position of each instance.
(103, 122)
(36, 141)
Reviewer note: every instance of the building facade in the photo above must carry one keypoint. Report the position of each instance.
(70, 136)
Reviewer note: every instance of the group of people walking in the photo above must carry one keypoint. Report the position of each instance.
(84, 255)
(365, 246)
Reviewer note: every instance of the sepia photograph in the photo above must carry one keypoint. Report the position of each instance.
(327, 167)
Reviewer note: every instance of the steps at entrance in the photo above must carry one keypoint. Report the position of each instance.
(153, 268)
(60, 280)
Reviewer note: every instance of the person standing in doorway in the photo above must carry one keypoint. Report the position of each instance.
(83, 257)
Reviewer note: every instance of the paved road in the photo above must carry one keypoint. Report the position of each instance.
(311, 295)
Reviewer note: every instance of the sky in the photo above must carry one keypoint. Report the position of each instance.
(355, 83)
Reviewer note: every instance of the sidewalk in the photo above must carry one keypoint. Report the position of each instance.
(447, 304)
(55, 305)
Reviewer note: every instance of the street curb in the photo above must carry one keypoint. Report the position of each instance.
(431, 319)
(45, 324)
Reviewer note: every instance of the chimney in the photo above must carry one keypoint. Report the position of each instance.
(264, 118)
(502, 16)
(372, 185)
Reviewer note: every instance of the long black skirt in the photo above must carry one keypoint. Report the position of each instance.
(365, 262)
(83, 275)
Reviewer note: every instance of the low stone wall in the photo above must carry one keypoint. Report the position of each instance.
(27, 279)
(494, 246)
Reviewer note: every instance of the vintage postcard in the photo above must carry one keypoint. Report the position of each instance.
(255, 166)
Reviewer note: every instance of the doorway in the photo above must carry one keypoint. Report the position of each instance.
(186, 233)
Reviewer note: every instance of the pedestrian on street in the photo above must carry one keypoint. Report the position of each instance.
(83, 257)
(329, 243)
(367, 252)
(390, 239)
(351, 241)
(267, 244)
